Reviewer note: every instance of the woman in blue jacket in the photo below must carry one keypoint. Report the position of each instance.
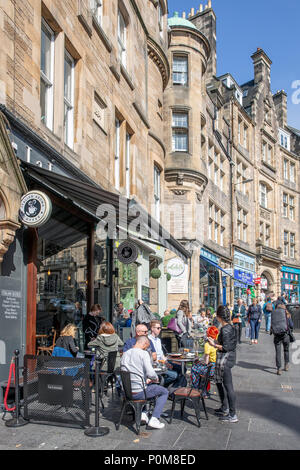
(254, 318)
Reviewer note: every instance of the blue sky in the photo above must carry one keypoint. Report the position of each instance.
(242, 27)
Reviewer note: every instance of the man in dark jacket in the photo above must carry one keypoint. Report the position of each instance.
(280, 326)
(254, 318)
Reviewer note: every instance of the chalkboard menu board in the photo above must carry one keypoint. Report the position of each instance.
(10, 318)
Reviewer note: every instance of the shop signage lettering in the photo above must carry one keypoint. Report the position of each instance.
(10, 304)
(210, 256)
(243, 276)
(175, 267)
(35, 209)
(127, 252)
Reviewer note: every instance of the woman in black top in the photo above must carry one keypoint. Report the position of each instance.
(226, 358)
(91, 324)
(67, 339)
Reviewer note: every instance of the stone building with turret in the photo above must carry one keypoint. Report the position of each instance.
(234, 141)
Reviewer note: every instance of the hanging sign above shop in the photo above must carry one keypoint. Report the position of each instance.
(175, 267)
(35, 209)
(127, 252)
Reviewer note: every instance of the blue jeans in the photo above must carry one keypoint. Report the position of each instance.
(255, 326)
(268, 321)
(154, 390)
(170, 376)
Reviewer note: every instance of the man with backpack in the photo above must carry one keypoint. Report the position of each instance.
(268, 309)
(280, 327)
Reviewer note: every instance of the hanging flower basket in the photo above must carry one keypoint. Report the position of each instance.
(155, 273)
(168, 276)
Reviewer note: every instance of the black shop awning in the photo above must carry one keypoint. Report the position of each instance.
(87, 198)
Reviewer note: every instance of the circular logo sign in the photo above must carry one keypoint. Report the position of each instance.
(175, 267)
(35, 209)
(127, 252)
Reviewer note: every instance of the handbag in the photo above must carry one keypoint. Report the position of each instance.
(172, 325)
(292, 337)
(247, 331)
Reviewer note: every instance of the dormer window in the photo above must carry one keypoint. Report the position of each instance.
(284, 139)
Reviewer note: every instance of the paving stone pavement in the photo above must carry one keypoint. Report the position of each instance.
(268, 408)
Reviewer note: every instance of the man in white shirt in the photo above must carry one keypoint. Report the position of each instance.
(137, 361)
(171, 374)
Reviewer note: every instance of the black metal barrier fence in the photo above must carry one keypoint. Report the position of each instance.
(57, 390)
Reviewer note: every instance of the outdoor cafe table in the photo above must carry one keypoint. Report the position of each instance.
(183, 360)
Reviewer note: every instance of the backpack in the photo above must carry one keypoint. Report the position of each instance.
(279, 321)
(269, 307)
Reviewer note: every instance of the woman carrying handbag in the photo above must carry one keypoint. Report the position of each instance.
(185, 323)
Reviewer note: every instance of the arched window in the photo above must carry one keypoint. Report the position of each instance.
(2, 209)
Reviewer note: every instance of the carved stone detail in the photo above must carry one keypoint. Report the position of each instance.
(158, 56)
(179, 192)
(7, 236)
(265, 214)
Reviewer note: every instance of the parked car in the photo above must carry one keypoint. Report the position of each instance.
(61, 305)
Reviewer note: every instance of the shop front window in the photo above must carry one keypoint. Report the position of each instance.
(127, 284)
(61, 273)
(209, 285)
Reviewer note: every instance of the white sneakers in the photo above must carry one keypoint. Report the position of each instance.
(155, 423)
(145, 418)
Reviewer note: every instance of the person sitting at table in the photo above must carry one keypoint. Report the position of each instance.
(67, 340)
(107, 340)
(137, 361)
(140, 330)
(173, 369)
(210, 356)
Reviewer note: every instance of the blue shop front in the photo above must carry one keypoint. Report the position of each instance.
(244, 275)
(290, 283)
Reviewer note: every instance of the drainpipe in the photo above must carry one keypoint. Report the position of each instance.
(232, 193)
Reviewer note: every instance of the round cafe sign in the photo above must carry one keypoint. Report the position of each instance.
(175, 267)
(35, 209)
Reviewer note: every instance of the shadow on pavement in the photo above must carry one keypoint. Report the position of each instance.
(270, 408)
(247, 365)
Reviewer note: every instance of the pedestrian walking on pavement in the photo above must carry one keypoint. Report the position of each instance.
(268, 309)
(281, 326)
(226, 358)
(239, 315)
(254, 318)
(185, 323)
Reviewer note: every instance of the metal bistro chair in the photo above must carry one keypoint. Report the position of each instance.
(136, 405)
(193, 394)
(109, 375)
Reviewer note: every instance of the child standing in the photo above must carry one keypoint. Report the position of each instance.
(199, 369)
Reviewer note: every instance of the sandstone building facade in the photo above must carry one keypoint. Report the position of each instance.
(124, 102)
